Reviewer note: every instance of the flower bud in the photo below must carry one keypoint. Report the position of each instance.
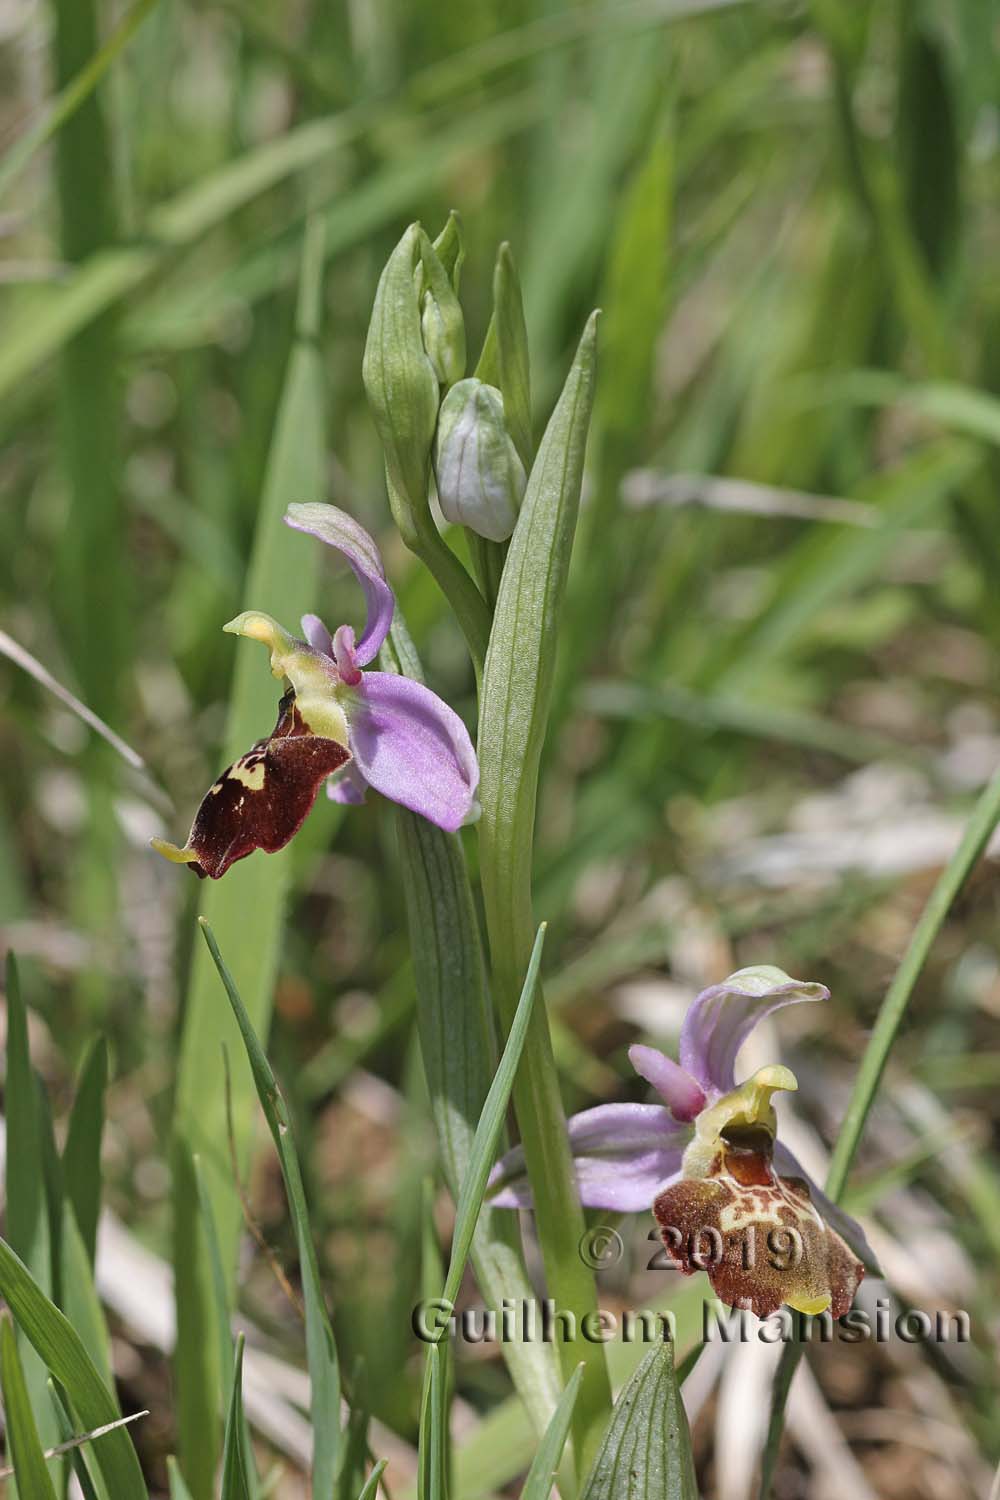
(400, 380)
(480, 479)
(441, 323)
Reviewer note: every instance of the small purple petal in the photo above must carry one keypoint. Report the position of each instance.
(340, 530)
(345, 654)
(412, 747)
(317, 634)
(683, 1095)
(623, 1155)
(721, 1018)
(348, 786)
(850, 1231)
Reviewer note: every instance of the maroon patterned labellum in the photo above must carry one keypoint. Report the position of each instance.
(261, 800)
(756, 1235)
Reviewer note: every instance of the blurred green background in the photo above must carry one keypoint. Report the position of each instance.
(778, 686)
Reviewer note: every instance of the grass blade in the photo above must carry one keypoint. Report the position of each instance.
(23, 1442)
(82, 1153)
(79, 1298)
(28, 1221)
(220, 1295)
(222, 1316)
(370, 1490)
(75, 93)
(76, 1440)
(324, 1374)
(30, 664)
(63, 1352)
(92, 598)
(432, 1442)
(178, 1489)
(541, 1475)
(235, 1484)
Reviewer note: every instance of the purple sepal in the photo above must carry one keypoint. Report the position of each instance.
(413, 748)
(721, 1018)
(623, 1155)
(340, 530)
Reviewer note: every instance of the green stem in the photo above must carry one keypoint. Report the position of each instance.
(417, 528)
(984, 819)
(558, 1216)
(471, 609)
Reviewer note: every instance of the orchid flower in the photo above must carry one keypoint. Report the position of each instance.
(360, 728)
(727, 1196)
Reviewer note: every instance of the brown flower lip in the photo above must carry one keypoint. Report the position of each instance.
(261, 800)
(757, 1235)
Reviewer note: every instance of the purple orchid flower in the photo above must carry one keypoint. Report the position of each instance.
(337, 723)
(727, 1196)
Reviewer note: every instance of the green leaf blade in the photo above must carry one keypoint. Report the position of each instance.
(646, 1453)
(82, 1152)
(24, 1444)
(64, 1354)
(235, 1483)
(321, 1350)
(541, 1475)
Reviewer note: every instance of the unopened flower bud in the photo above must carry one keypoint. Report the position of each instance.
(400, 380)
(441, 322)
(480, 478)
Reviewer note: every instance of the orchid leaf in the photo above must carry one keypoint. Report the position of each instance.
(515, 702)
(646, 1453)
